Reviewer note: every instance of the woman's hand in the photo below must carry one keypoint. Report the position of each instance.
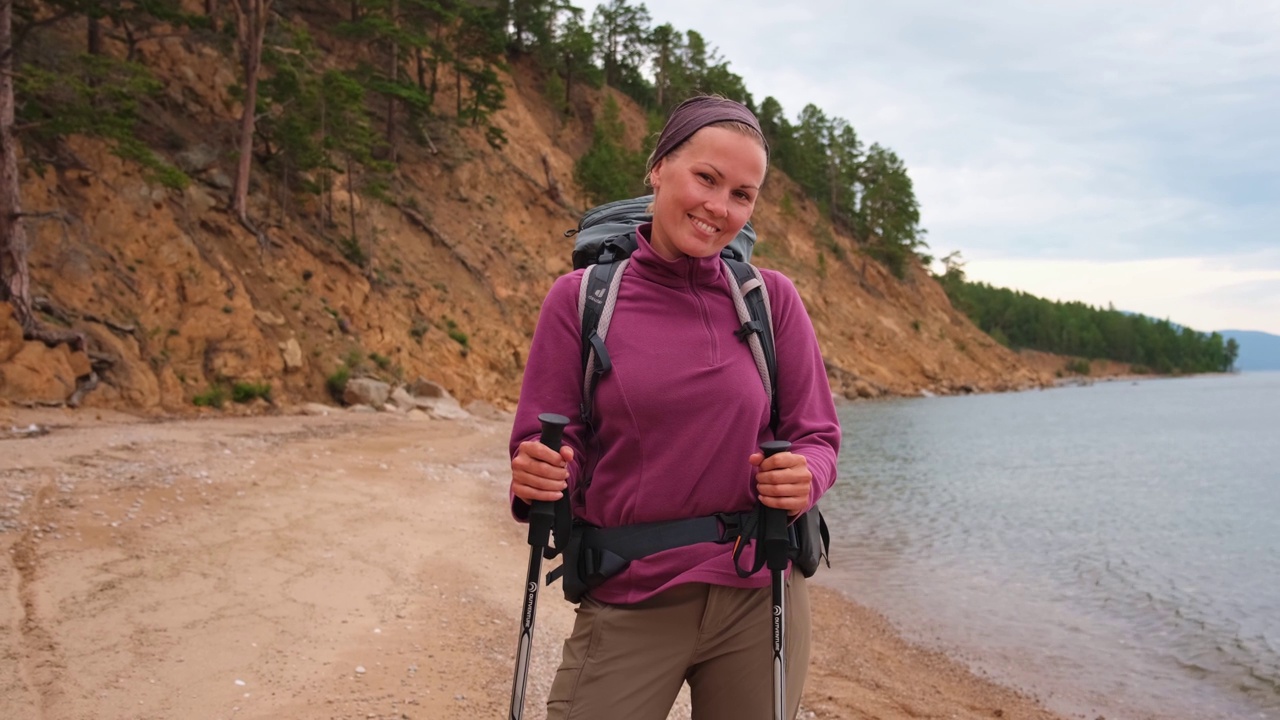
(540, 473)
(783, 481)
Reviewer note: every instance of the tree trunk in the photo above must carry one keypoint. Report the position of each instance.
(15, 275)
(435, 63)
(393, 72)
(457, 85)
(95, 36)
(251, 25)
(351, 202)
(211, 11)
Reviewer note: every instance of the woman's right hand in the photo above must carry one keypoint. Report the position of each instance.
(540, 473)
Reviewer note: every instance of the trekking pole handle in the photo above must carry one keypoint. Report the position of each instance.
(777, 540)
(542, 513)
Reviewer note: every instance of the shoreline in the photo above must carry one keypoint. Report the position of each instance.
(348, 565)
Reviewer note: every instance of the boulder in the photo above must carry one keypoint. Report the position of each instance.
(402, 400)
(482, 409)
(366, 391)
(41, 374)
(423, 388)
(315, 409)
(445, 408)
(292, 353)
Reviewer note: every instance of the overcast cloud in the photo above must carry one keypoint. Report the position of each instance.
(1104, 134)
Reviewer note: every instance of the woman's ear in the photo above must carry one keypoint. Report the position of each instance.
(655, 175)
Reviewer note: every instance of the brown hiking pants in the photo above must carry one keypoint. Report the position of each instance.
(628, 662)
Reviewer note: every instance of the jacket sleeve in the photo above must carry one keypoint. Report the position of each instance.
(553, 377)
(807, 413)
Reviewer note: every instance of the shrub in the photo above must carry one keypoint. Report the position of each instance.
(458, 336)
(243, 392)
(214, 397)
(1079, 366)
(337, 382)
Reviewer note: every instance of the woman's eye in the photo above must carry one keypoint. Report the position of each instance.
(705, 177)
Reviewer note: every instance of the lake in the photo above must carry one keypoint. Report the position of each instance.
(1112, 549)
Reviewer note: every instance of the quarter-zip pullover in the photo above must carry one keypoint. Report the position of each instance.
(680, 412)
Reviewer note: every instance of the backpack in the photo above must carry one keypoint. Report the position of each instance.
(604, 241)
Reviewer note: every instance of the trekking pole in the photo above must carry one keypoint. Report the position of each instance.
(542, 515)
(777, 545)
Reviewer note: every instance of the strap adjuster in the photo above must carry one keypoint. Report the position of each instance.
(749, 328)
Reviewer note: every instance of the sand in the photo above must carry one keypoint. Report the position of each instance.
(341, 566)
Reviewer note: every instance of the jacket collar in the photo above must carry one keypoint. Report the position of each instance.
(674, 273)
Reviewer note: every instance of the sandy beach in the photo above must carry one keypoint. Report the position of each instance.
(340, 566)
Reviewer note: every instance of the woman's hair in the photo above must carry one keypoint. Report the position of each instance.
(704, 111)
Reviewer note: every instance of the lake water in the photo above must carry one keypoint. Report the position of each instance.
(1113, 549)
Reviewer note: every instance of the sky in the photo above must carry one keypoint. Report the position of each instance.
(1122, 154)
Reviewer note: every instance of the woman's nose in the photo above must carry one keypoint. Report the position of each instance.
(716, 205)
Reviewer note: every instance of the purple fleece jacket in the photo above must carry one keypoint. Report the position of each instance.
(680, 412)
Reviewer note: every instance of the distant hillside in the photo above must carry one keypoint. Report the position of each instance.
(1258, 350)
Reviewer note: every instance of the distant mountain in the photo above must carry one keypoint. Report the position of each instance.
(1258, 350)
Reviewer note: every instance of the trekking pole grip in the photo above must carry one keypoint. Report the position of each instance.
(542, 513)
(777, 541)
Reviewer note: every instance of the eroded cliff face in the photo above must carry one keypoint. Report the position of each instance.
(174, 296)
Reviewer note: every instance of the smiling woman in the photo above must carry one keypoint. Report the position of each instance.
(675, 427)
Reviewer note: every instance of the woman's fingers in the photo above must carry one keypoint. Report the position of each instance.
(539, 473)
(784, 482)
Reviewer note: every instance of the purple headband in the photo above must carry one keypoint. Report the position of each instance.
(696, 113)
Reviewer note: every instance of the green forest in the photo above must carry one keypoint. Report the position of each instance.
(1020, 320)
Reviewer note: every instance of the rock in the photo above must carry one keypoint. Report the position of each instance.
(445, 408)
(292, 353)
(316, 409)
(366, 391)
(482, 409)
(11, 340)
(416, 414)
(424, 388)
(388, 407)
(220, 180)
(361, 409)
(196, 159)
(38, 373)
(266, 317)
(402, 399)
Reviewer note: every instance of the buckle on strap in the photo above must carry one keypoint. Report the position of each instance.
(735, 526)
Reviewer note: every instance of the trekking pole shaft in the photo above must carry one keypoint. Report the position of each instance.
(541, 518)
(776, 547)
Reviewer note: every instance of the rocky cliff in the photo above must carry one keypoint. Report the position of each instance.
(175, 298)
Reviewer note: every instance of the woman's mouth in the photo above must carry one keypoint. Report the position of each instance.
(704, 226)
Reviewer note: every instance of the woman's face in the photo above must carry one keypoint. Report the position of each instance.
(704, 192)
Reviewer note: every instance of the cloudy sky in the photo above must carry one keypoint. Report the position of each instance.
(1124, 153)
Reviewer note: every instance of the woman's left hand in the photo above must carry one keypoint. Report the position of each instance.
(783, 481)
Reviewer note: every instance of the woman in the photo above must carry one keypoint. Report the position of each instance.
(677, 423)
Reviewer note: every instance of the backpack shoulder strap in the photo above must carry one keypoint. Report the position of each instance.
(597, 297)
(751, 299)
